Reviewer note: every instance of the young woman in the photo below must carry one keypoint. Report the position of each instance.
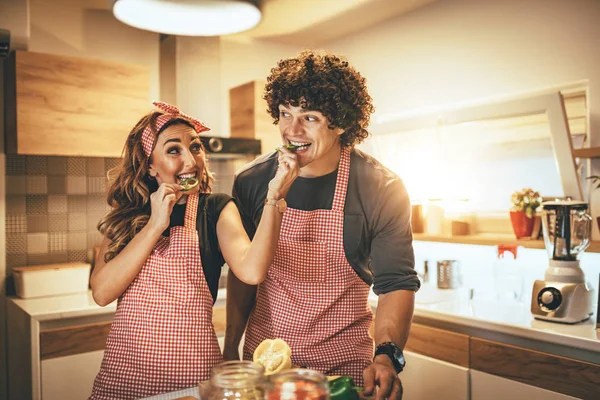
(166, 239)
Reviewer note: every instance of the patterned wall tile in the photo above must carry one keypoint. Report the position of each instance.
(54, 258)
(16, 184)
(77, 222)
(57, 242)
(97, 185)
(77, 241)
(15, 165)
(53, 206)
(93, 220)
(95, 167)
(16, 224)
(36, 204)
(16, 260)
(76, 166)
(57, 204)
(16, 205)
(78, 255)
(16, 243)
(38, 259)
(37, 243)
(37, 165)
(97, 204)
(57, 166)
(57, 184)
(57, 222)
(37, 185)
(94, 239)
(76, 185)
(37, 223)
(76, 204)
(110, 163)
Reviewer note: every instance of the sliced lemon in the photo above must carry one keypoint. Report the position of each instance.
(274, 355)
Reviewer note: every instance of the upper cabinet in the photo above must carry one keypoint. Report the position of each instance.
(68, 106)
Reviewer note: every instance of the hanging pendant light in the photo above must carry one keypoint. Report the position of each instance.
(189, 17)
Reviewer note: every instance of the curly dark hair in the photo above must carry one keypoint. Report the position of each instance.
(326, 83)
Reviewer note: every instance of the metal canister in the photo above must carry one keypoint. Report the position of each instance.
(448, 274)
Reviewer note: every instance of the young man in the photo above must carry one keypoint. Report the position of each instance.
(346, 226)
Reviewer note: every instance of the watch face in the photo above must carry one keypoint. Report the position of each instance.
(395, 354)
(281, 205)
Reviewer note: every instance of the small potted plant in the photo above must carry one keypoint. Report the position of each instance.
(524, 205)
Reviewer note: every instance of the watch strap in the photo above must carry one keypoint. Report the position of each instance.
(395, 354)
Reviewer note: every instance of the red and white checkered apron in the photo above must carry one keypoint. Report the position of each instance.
(312, 297)
(162, 337)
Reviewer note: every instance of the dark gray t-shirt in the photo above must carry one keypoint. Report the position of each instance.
(377, 233)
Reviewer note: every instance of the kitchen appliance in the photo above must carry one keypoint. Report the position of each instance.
(448, 274)
(564, 295)
(226, 147)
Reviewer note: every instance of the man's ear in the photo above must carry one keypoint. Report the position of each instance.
(339, 131)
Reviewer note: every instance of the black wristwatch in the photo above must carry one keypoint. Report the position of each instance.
(394, 353)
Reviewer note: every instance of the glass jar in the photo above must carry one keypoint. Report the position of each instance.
(240, 380)
(297, 384)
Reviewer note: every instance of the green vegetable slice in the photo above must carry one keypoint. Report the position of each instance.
(291, 147)
(189, 183)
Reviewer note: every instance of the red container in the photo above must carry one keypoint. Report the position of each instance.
(522, 225)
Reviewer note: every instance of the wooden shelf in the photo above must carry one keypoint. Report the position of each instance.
(492, 240)
(589, 152)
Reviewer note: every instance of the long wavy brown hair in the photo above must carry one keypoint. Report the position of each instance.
(130, 187)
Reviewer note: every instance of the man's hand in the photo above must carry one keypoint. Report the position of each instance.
(382, 373)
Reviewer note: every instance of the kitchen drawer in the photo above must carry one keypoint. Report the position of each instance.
(440, 344)
(558, 374)
(71, 340)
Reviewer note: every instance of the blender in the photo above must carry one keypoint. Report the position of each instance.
(564, 295)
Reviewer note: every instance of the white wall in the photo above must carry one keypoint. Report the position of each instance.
(458, 50)
(242, 62)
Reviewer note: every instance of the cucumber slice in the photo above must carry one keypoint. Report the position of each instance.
(290, 147)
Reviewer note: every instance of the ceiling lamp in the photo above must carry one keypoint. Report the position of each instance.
(189, 17)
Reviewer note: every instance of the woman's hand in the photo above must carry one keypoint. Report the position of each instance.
(287, 172)
(161, 203)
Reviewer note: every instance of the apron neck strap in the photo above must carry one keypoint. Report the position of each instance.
(341, 185)
(191, 210)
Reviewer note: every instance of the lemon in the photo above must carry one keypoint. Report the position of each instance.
(274, 355)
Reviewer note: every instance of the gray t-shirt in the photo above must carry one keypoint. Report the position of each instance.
(377, 232)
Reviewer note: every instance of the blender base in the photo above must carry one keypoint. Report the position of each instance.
(568, 303)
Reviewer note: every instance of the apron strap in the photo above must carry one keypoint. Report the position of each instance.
(191, 211)
(341, 185)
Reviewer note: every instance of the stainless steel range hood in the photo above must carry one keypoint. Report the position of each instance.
(228, 148)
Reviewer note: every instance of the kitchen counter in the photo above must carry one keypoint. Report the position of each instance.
(73, 306)
(65, 306)
(512, 324)
(446, 306)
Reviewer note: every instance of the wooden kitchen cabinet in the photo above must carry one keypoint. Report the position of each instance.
(490, 387)
(249, 117)
(535, 369)
(59, 105)
(70, 377)
(55, 346)
(437, 364)
(427, 378)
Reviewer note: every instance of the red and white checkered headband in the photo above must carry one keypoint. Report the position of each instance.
(170, 112)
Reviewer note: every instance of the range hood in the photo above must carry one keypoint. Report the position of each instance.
(227, 148)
